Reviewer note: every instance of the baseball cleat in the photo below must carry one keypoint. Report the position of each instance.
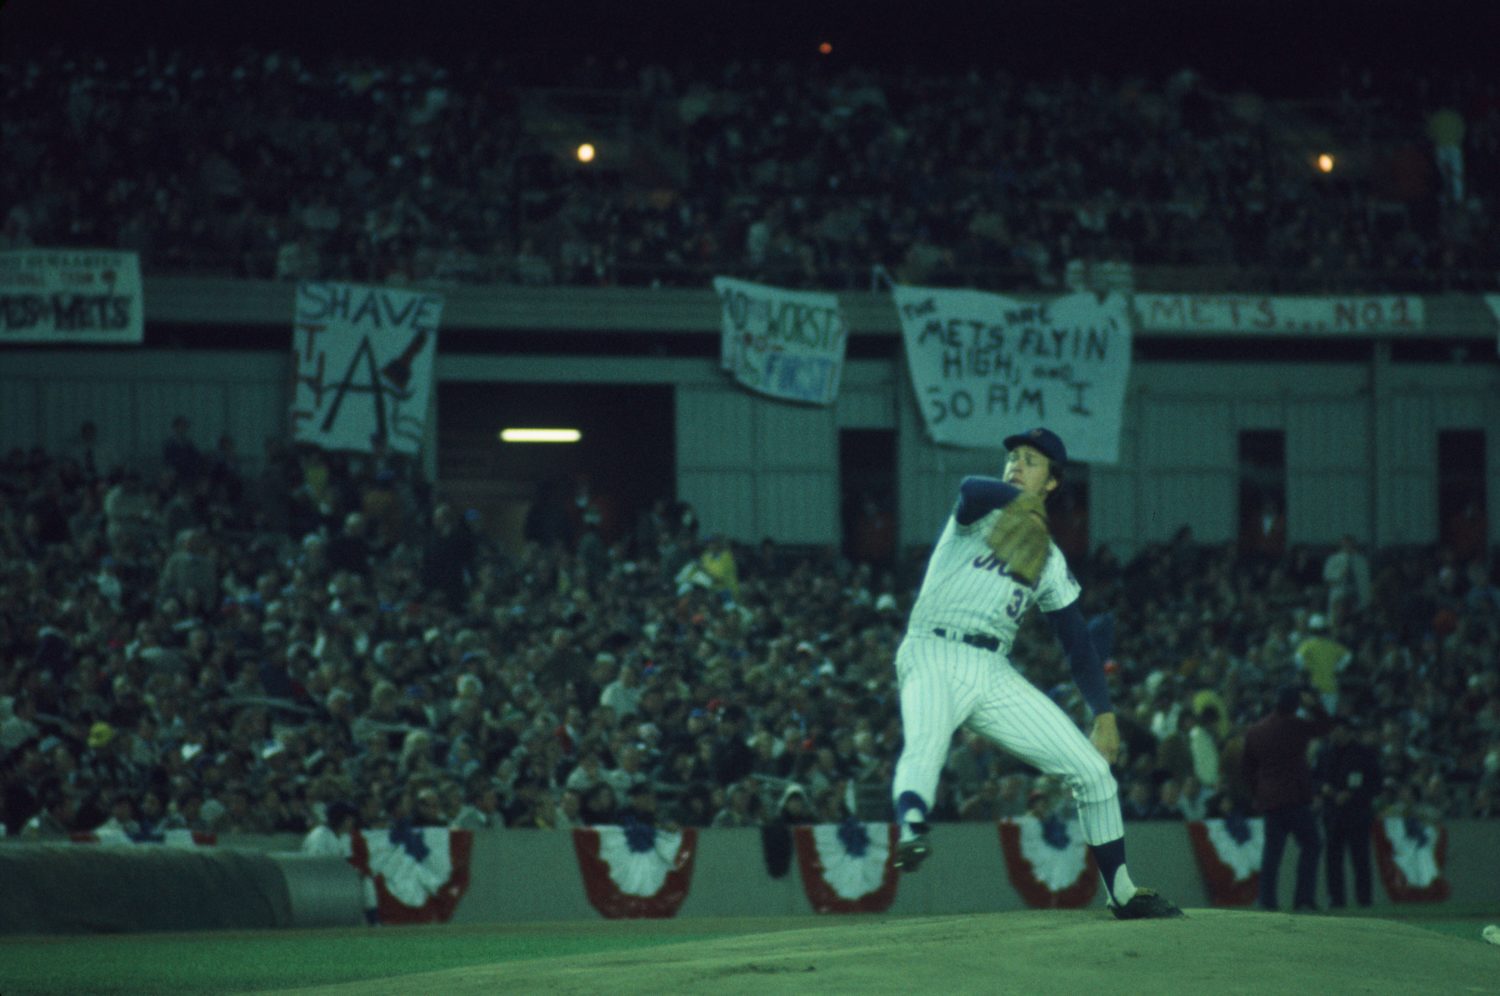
(911, 853)
(1146, 905)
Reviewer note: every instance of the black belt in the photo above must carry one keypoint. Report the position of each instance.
(981, 640)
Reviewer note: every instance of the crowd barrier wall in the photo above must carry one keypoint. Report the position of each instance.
(534, 875)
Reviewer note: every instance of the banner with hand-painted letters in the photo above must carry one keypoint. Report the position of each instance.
(782, 343)
(363, 362)
(1264, 314)
(71, 295)
(985, 365)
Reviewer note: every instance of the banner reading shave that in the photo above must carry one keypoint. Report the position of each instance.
(71, 295)
(782, 343)
(363, 365)
(984, 366)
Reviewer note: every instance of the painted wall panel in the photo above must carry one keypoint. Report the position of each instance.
(257, 412)
(714, 427)
(19, 424)
(1408, 430)
(1411, 510)
(864, 406)
(1112, 509)
(1329, 434)
(1202, 500)
(158, 402)
(1182, 432)
(1408, 508)
(67, 404)
(1257, 413)
(1457, 409)
(795, 436)
(723, 498)
(1324, 505)
(740, 458)
(797, 506)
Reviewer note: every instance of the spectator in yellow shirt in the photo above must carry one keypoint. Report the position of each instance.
(718, 562)
(1322, 657)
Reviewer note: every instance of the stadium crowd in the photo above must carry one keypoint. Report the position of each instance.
(326, 640)
(270, 164)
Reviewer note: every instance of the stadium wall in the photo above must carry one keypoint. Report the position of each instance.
(534, 875)
(522, 876)
(65, 888)
(1361, 439)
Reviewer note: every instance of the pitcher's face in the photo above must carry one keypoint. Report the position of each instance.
(1027, 468)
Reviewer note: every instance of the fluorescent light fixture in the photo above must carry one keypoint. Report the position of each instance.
(540, 435)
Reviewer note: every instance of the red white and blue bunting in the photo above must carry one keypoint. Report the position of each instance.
(419, 873)
(846, 867)
(1047, 864)
(637, 870)
(1411, 854)
(1228, 854)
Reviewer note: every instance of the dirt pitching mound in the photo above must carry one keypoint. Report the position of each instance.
(1208, 952)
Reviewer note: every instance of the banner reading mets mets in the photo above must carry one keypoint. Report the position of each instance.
(71, 295)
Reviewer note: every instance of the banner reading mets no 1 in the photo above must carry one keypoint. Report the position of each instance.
(787, 344)
(984, 365)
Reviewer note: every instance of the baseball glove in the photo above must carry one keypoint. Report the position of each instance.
(1019, 537)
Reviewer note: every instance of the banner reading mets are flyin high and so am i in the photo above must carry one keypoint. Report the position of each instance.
(985, 365)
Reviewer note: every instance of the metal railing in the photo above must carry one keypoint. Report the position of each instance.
(495, 270)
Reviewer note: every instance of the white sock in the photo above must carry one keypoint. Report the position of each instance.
(1124, 889)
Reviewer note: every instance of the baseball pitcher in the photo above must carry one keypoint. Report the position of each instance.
(994, 560)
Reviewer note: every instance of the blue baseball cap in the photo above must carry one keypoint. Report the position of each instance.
(1044, 440)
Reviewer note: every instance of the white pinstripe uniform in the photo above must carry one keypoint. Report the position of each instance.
(946, 683)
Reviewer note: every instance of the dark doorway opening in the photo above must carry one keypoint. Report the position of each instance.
(867, 482)
(624, 460)
(1262, 467)
(1068, 513)
(1462, 495)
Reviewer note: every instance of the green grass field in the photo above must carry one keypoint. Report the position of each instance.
(221, 962)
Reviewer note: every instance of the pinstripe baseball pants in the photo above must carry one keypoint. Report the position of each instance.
(946, 684)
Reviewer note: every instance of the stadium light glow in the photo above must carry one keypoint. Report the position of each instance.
(586, 153)
(826, 48)
(518, 435)
(1325, 163)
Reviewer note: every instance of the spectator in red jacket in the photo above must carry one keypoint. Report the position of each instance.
(1276, 768)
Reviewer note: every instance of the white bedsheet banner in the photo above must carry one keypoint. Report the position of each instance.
(984, 366)
(71, 295)
(1264, 314)
(364, 365)
(782, 343)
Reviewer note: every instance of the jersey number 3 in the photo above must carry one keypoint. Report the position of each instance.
(1017, 602)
